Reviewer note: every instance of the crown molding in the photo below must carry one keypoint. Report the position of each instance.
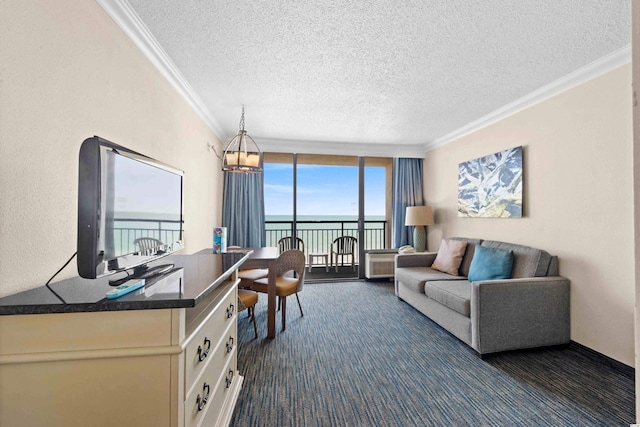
(607, 63)
(339, 148)
(130, 23)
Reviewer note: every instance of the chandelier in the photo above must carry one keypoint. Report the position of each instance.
(242, 154)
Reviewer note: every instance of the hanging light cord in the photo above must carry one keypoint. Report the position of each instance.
(240, 126)
(242, 119)
(213, 147)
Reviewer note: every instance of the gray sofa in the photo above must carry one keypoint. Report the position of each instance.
(531, 309)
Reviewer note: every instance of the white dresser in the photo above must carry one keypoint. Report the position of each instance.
(121, 366)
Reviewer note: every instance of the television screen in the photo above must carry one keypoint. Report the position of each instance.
(129, 209)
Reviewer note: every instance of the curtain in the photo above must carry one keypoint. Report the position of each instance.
(243, 209)
(407, 191)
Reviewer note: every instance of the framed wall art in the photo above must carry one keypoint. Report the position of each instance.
(491, 186)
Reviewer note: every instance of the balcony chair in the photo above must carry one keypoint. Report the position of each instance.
(288, 243)
(247, 300)
(289, 261)
(345, 245)
(147, 243)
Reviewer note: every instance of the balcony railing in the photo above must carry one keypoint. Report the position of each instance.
(319, 235)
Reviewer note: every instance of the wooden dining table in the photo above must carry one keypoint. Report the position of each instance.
(262, 258)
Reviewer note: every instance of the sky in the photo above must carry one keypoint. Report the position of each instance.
(140, 188)
(322, 190)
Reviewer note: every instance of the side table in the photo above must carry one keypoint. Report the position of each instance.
(313, 255)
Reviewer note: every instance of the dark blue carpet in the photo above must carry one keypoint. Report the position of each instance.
(361, 357)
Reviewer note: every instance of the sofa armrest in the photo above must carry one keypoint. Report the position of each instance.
(416, 259)
(519, 313)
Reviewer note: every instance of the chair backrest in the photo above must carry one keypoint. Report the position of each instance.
(145, 243)
(344, 245)
(288, 243)
(291, 260)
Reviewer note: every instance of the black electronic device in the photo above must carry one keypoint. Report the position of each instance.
(130, 209)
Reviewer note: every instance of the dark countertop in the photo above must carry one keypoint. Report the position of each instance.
(192, 278)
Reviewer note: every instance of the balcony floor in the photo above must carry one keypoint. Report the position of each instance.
(319, 274)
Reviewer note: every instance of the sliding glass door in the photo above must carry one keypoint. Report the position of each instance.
(329, 202)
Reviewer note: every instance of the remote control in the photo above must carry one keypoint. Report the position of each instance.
(125, 288)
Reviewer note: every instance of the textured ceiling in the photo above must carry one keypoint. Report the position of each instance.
(375, 72)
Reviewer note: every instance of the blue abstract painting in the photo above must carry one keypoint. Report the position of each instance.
(491, 186)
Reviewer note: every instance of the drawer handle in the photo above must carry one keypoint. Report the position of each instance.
(230, 345)
(203, 354)
(229, 378)
(203, 401)
(230, 310)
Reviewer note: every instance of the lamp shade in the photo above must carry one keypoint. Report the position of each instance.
(419, 215)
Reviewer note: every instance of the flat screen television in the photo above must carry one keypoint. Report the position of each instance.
(130, 210)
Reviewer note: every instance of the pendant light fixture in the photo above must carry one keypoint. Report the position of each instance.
(242, 154)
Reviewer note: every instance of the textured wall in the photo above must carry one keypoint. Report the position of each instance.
(578, 200)
(68, 73)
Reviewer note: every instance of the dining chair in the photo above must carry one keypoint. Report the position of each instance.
(248, 277)
(247, 300)
(288, 243)
(341, 247)
(289, 261)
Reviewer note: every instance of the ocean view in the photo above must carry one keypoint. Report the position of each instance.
(318, 231)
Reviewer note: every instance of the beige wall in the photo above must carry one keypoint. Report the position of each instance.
(67, 72)
(578, 200)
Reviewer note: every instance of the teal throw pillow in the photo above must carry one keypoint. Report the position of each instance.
(490, 264)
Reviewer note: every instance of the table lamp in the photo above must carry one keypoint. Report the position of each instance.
(419, 216)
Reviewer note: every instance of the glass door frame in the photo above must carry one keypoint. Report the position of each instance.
(361, 162)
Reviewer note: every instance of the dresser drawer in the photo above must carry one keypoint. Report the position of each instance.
(50, 333)
(206, 400)
(214, 333)
(216, 358)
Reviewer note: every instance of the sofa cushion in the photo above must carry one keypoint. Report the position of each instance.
(490, 264)
(468, 254)
(449, 256)
(414, 277)
(527, 261)
(454, 294)
(553, 269)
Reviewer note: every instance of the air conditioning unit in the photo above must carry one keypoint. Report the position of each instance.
(379, 263)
